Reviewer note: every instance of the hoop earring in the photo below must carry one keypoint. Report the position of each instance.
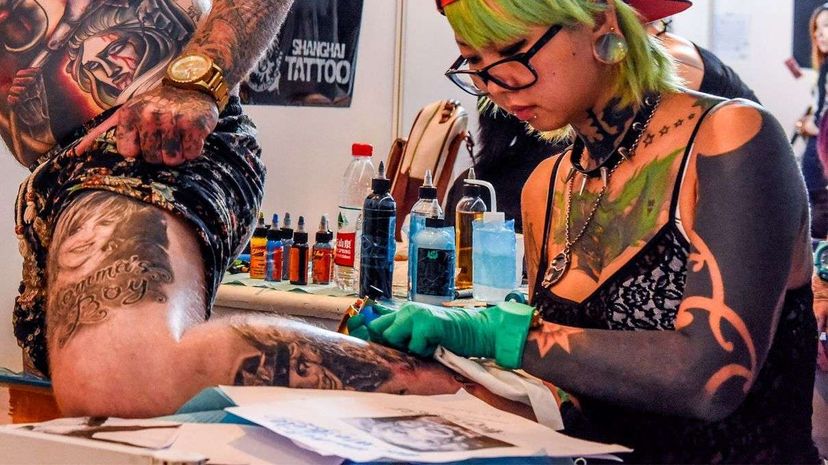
(610, 48)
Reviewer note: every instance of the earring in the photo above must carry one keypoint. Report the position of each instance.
(610, 48)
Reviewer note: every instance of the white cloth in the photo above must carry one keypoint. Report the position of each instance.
(514, 385)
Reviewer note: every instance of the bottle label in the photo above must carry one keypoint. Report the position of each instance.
(435, 272)
(321, 266)
(258, 264)
(345, 246)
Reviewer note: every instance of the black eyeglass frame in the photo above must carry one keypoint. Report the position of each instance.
(523, 58)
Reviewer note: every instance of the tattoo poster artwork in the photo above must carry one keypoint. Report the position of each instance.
(313, 61)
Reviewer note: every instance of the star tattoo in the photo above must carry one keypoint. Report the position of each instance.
(664, 130)
(551, 335)
(678, 123)
(648, 139)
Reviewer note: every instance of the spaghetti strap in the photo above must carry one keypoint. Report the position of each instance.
(686, 160)
(550, 196)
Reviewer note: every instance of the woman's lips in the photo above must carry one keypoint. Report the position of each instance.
(523, 113)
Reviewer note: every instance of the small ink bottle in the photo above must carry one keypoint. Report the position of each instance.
(287, 242)
(299, 255)
(258, 250)
(275, 259)
(322, 264)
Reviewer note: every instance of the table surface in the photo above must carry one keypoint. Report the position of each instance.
(25, 404)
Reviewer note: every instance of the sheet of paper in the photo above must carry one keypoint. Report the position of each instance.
(369, 427)
(228, 444)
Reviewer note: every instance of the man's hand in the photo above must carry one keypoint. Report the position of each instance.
(806, 126)
(165, 125)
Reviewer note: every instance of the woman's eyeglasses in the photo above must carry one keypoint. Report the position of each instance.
(512, 73)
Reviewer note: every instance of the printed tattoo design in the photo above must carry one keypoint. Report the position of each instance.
(551, 335)
(108, 252)
(718, 311)
(316, 361)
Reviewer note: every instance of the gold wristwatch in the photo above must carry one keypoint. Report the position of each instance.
(198, 72)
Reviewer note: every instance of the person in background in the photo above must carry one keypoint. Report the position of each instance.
(509, 151)
(808, 126)
(671, 283)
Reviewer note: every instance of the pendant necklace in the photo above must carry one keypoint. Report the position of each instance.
(559, 265)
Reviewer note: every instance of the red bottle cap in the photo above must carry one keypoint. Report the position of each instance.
(362, 150)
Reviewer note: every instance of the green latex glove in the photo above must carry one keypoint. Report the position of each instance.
(357, 324)
(497, 332)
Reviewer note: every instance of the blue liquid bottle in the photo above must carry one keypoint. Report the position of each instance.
(427, 206)
(434, 263)
(378, 245)
(274, 258)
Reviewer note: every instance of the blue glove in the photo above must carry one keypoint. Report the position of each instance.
(497, 332)
(357, 324)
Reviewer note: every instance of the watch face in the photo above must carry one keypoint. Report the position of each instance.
(189, 67)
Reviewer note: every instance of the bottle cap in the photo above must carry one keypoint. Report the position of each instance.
(274, 234)
(471, 190)
(427, 190)
(362, 150)
(300, 237)
(381, 184)
(324, 234)
(434, 222)
(287, 233)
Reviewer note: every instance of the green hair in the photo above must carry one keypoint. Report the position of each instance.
(647, 68)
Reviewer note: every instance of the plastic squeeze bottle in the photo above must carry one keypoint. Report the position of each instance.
(433, 263)
(379, 220)
(470, 207)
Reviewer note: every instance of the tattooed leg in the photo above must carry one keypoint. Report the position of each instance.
(127, 335)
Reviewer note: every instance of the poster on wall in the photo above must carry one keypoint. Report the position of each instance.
(313, 61)
(801, 33)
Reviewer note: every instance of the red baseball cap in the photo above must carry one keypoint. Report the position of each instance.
(650, 10)
(653, 10)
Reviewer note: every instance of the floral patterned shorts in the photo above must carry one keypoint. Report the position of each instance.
(219, 194)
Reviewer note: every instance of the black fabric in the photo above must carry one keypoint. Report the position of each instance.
(772, 425)
(720, 80)
(218, 193)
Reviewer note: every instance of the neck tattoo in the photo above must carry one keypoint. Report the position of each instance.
(559, 265)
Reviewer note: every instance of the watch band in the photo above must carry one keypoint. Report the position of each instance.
(211, 83)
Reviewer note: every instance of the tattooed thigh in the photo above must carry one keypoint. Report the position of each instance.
(110, 252)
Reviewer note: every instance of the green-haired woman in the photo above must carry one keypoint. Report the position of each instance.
(668, 250)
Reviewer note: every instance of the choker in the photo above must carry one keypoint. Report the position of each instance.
(623, 151)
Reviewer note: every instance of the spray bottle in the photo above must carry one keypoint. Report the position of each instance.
(322, 262)
(470, 207)
(378, 244)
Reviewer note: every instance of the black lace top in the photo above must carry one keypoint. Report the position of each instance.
(773, 424)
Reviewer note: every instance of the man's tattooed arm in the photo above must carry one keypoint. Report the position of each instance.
(747, 224)
(237, 32)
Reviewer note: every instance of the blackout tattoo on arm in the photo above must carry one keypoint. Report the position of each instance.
(320, 362)
(108, 252)
(237, 31)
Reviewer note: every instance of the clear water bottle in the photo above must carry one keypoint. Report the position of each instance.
(356, 186)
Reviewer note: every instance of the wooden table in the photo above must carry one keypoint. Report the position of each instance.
(26, 404)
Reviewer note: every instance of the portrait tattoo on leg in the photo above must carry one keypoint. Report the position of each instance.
(108, 251)
(317, 360)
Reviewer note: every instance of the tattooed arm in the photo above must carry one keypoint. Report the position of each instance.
(127, 336)
(745, 213)
(167, 124)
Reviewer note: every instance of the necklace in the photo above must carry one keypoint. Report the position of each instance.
(559, 265)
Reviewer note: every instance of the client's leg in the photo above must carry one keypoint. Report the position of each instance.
(126, 329)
